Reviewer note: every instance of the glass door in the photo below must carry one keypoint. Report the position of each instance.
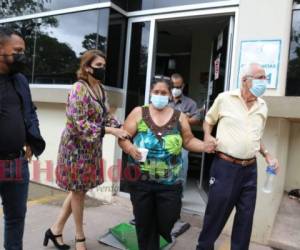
(138, 68)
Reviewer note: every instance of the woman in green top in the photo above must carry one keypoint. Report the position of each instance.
(156, 194)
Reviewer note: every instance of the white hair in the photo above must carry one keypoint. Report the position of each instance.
(248, 69)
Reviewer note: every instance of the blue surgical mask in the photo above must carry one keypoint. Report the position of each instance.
(159, 101)
(258, 87)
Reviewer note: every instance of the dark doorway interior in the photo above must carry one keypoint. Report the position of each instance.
(189, 47)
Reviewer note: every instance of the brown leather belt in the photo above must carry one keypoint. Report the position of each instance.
(244, 163)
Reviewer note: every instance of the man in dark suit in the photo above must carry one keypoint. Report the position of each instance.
(19, 136)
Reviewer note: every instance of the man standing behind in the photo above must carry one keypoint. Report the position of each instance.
(241, 116)
(187, 106)
(19, 128)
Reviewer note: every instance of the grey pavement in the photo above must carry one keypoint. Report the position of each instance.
(98, 218)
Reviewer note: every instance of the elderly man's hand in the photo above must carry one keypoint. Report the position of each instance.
(272, 162)
(209, 147)
(212, 142)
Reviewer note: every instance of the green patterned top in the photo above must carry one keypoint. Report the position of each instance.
(164, 162)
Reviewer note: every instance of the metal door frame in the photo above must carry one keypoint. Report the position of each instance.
(154, 20)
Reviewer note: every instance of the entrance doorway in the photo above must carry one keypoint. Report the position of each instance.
(196, 45)
(197, 49)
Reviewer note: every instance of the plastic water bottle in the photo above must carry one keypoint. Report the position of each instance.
(268, 186)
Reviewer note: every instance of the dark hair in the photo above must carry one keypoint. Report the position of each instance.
(86, 59)
(6, 33)
(176, 76)
(164, 79)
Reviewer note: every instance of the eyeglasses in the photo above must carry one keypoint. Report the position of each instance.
(257, 77)
(162, 78)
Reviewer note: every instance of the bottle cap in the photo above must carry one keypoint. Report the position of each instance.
(271, 170)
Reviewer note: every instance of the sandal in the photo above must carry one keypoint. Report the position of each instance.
(78, 241)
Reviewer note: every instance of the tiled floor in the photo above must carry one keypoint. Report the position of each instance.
(192, 200)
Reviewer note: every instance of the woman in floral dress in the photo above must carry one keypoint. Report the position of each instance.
(80, 151)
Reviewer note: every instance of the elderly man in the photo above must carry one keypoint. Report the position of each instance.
(241, 116)
(18, 128)
(187, 106)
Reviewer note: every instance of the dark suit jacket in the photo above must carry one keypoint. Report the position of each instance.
(33, 135)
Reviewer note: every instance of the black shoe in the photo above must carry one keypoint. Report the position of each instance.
(79, 240)
(132, 222)
(50, 236)
(295, 194)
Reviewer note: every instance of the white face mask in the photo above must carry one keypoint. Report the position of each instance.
(176, 92)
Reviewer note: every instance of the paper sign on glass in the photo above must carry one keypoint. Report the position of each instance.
(264, 52)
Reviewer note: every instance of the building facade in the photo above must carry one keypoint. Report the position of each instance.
(207, 41)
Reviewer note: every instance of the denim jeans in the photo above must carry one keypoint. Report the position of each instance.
(14, 181)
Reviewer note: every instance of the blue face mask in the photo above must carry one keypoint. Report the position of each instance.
(258, 87)
(159, 101)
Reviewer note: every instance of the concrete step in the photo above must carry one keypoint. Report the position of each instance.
(286, 230)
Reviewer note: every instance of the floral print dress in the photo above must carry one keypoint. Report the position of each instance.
(79, 163)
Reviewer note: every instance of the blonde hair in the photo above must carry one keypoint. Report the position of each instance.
(86, 60)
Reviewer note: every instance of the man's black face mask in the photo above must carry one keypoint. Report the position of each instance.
(18, 64)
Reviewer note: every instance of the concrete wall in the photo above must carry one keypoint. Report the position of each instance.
(293, 164)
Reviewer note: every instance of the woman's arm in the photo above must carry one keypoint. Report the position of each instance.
(191, 143)
(130, 125)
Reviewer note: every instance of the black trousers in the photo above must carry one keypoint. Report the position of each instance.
(156, 208)
(231, 185)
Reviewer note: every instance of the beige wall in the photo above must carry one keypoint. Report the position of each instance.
(265, 19)
(293, 164)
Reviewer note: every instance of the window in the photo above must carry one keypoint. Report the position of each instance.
(293, 75)
(11, 8)
(60, 43)
(55, 44)
(137, 65)
(133, 5)
(116, 50)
